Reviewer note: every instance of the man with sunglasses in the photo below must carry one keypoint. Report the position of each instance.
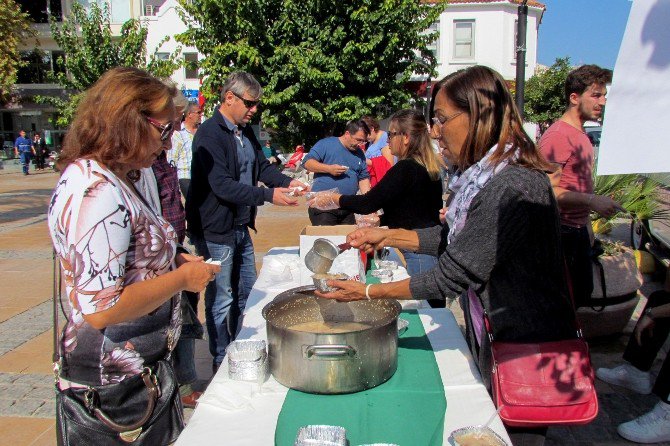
(227, 165)
(338, 162)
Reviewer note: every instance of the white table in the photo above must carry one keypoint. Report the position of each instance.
(238, 413)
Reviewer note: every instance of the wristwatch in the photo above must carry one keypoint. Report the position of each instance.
(648, 313)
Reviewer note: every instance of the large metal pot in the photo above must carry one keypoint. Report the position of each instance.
(321, 362)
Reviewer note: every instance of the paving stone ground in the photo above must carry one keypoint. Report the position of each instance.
(26, 380)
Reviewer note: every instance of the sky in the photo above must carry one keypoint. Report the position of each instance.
(588, 31)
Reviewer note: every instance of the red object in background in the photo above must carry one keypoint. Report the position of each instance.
(201, 98)
(296, 157)
(378, 169)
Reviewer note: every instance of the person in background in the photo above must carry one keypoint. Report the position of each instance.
(566, 145)
(181, 154)
(122, 272)
(160, 186)
(23, 148)
(378, 153)
(270, 153)
(501, 248)
(40, 150)
(651, 332)
(410, 193)
(338, 162)
(296, 158)
(221, 204)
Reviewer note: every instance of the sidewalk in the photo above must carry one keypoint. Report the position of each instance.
(26, 381)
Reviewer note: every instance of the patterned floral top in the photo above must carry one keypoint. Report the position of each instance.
(106, 238)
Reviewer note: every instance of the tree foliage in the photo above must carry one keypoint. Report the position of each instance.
(15, 28)
(545, 93)
(91, 49)
(321, 62)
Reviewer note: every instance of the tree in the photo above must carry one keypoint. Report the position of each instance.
(15, 28)
(91, 49)
(545, 93)
(321, 62)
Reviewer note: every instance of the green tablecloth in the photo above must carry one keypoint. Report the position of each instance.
(407, 410)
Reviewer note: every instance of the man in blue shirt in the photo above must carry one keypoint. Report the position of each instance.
(338, 162)
(23, 148)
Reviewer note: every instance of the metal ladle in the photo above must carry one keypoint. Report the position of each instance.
(320, 258)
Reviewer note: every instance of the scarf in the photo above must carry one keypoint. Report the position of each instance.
(466, 186)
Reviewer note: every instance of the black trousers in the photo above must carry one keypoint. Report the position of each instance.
(577, 251)
(184, 184)
(643, 356)
(331, 218)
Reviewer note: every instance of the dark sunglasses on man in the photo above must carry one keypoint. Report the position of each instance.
(248, 103)
(165, 129)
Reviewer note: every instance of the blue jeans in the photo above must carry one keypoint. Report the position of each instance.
(25, 160)
(226, 296)
(419, 264)
(184, 362)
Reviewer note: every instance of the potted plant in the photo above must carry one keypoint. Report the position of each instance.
(616, 280)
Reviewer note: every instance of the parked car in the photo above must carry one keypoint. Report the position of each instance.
(594, 134)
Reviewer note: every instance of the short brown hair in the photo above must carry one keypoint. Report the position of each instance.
(110, 125)
(580, 79)
(372, 123)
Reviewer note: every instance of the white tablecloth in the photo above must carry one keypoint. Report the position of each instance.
(241, 413)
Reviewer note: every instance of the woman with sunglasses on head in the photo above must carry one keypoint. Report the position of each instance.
(410, 193)
(500, 246)
(123, 274)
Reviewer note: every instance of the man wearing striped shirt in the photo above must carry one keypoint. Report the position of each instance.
(180, 155)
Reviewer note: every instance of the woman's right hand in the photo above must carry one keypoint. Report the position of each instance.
(196, 275)
(368, 239)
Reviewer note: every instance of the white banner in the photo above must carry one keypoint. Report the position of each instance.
(635, 129)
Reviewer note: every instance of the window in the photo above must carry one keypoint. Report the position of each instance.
(434, 46)
(162, 56)
(191, 65)
(464, 39)
(39, 10)
(39, 65)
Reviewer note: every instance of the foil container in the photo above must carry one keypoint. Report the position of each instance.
(485, 435)
(247, 360)
(321, 435)
(384, 275)
(320, 281)
(402, 326)
(387, 264)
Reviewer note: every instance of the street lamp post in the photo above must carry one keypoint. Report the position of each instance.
(522, 14)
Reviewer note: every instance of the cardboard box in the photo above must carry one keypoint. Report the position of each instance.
(349, 262)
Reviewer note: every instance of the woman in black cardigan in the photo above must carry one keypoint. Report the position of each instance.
(411, 191)
(500, 246)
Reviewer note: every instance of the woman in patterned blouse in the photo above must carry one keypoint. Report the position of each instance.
(123, 274)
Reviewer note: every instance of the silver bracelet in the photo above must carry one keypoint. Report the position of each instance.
(367, 291)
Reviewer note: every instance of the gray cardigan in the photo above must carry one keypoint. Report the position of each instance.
(509, 253)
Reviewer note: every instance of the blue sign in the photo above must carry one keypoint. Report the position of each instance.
(191, 95)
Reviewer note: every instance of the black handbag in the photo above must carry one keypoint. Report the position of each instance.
(144, 409)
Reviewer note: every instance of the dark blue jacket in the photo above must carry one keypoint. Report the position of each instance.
(215, 190)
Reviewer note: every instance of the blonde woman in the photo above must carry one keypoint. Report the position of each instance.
(410, 193)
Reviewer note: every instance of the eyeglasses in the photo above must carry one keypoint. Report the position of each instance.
(440, 122)
(248, 103)
(392, 134)
(165, 129)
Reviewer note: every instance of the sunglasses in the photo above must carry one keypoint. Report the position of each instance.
(248, 103)
(165, 129)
